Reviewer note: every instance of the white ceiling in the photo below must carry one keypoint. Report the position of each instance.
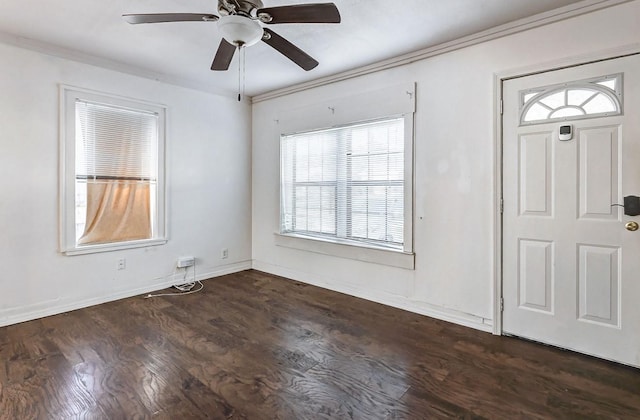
(371, 31)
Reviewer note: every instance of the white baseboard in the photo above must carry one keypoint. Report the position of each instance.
(400, 302)
(48, 308)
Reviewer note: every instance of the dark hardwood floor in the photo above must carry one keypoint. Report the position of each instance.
(256, 346)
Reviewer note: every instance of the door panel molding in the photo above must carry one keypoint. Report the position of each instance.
(534, 167)
(535, 275)
(599, 166)
(606, 262)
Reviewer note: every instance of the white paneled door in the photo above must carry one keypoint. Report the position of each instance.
(571, 260)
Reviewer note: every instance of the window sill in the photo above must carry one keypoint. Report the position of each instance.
(364, 253)
(92, 249)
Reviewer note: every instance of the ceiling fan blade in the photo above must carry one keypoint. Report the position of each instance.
(289, 50)
(300, 13)
(224, 55)
(169, 17)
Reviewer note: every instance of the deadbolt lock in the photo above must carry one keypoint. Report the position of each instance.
(632, 226)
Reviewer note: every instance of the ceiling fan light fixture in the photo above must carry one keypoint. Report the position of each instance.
(240, 30)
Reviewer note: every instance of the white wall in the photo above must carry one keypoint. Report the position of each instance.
(454, 171)
(208, 189)
(215, 202)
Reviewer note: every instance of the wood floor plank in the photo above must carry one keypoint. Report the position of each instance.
(430, 405)
(49, 379)
(257, 346)
(163, 385)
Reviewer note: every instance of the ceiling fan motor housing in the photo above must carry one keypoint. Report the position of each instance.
(239, 7)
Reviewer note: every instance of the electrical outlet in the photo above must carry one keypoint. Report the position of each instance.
(122, 264)
(224, 254)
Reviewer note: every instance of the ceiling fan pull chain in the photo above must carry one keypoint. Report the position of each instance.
(240, 65)
(244, 70)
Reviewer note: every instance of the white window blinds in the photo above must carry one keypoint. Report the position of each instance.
(115, 143)
(345, 183)
(116, 173)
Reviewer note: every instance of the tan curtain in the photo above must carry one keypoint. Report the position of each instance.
(117, 211)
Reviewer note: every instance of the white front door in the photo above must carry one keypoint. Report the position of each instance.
(571, 266)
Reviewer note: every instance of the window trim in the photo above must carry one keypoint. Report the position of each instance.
(67, 234)
(355, 249)
(360, 252)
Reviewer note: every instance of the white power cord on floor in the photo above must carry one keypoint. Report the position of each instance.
(185, 288)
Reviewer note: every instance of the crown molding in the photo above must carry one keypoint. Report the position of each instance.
(566, 12)
(521, 25)
(105, 63)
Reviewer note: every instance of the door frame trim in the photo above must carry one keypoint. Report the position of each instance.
(498, 82)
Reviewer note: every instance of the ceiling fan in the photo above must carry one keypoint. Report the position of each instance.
(240, 24)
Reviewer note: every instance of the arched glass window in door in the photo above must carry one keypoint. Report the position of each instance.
(590, 98)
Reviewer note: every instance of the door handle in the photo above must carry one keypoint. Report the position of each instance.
(632, 226)
(631, 205)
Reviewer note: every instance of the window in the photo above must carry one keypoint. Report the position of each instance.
(346, 184)
(575, 100)
(112, 187)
